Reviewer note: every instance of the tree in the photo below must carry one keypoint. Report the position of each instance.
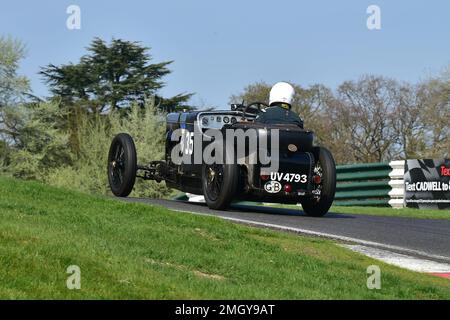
(367, 112)
(111, 77)
(255, 92)
(13, 87)
(408, 123)
(13, 90)
(435, 94)
(39, 143)
(4, 155)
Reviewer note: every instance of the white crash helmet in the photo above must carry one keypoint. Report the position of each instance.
(281, 92)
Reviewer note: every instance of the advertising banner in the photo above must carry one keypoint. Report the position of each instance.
(427, 183)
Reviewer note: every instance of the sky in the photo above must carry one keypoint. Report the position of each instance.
(219, 47)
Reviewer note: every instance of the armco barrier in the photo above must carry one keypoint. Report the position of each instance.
(370, 184)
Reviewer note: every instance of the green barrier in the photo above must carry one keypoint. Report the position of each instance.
(363, 175)
(363, 166)
(363, 184)
(377, 193)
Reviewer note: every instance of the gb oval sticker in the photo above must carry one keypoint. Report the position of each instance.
(272, 186)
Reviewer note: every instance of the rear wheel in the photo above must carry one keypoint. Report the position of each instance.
(219, 184)
(122, 165)
(320, 203)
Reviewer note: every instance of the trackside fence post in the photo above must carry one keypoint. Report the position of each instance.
(397, 183)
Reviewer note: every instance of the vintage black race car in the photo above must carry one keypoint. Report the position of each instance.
(305, 173)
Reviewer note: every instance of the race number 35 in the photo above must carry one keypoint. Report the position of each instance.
(187, 142)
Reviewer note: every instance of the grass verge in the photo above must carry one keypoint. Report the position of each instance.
(136, 251)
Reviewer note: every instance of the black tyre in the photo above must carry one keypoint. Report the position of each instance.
(326, 168)
(219, 184)
(122, 165)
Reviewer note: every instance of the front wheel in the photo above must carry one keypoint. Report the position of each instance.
(122, 165)
(320, 203)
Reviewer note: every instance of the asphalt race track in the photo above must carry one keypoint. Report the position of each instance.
(424, 238)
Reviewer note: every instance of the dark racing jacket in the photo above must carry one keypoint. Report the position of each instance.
(279, 115)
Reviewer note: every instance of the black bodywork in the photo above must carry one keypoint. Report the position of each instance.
(187, 177)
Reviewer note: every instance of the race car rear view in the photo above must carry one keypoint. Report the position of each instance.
(228, 156)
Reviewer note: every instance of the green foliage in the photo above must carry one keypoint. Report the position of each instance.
(4, 156)
(88, 172)
(38, 145)
(13, 87)
(110, 77)
(435, 115)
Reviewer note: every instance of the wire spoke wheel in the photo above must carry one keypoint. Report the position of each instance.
(323, 192)
(116, 165)
(219, 183)
(318, 171)
(214, 180)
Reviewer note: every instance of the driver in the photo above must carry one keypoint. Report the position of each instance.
(279, 111)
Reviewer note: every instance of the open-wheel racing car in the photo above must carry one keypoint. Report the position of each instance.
(304, 173)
